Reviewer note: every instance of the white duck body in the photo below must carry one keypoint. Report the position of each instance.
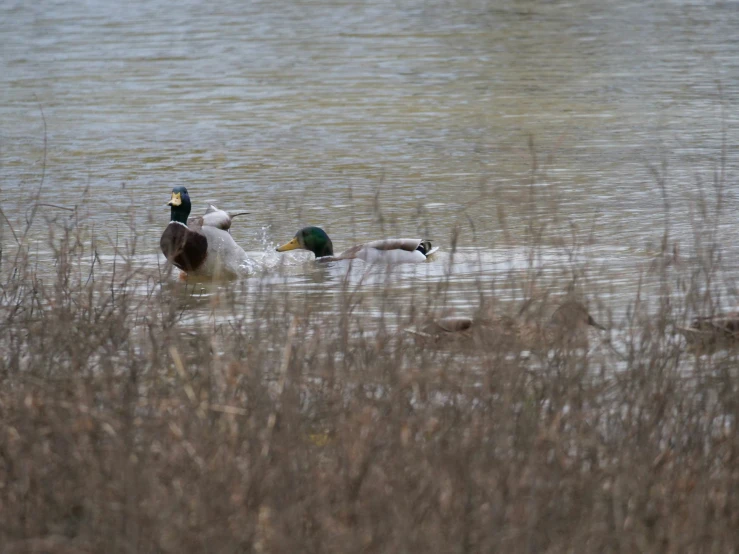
(225, 258)
(388, 251)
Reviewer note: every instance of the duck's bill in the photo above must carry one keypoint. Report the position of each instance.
(176, 199)
(292, 245)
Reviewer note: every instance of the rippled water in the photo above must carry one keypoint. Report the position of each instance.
(380, 118)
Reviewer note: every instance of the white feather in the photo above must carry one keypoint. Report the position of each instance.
(225, 258)
(396, 256)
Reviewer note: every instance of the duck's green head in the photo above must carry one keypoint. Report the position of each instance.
(180, 203)
(314, 239)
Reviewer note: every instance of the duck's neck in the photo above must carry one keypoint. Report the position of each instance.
(326, 249)
(179, 215)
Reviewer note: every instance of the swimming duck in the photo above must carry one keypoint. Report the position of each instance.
(567, 327)
(202, 245)
(709, 333)
(391, 251)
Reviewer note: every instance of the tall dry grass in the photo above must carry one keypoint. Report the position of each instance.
(127, 427)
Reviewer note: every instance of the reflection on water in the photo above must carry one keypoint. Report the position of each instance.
(410, 118)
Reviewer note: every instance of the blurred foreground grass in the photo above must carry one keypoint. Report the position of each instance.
(280, 427)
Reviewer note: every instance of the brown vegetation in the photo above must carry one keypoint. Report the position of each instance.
(126, 428)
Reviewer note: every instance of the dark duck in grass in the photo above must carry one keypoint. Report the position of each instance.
(707, 334)
(567, 327)
(388, 251)
(202, 246)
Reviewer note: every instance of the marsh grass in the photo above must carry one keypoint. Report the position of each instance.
(278, 426)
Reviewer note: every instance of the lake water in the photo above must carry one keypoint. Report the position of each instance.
(374, 119)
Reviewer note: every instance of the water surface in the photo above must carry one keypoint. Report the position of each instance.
(466, 121)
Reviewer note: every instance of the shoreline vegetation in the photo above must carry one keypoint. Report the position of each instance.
(278, 427)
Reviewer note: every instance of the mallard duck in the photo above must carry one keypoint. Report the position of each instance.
(391, 251)
(567, 327)
(202, 245)
(709, 333)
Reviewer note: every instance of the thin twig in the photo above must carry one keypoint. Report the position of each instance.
(43, 172)
(2, 213)
(284, 366)
(57, 207)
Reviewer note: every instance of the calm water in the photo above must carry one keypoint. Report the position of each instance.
(371, 119)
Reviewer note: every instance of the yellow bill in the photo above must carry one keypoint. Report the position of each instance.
(176, 199)
(292, 245)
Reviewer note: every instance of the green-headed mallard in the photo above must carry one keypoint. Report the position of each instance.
(710, 333)
(202, 245)
(568, 326)
(391, 251)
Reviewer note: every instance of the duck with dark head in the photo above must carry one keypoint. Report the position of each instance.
(388, 251)
(568, 327)
(202, 246)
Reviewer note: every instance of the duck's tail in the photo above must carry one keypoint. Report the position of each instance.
(237, 214)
